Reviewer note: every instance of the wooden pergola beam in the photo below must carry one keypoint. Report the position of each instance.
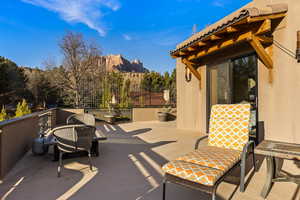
(202, 44)
(215, 37)
(181, 53)
(260, 50)
(231, 29)
(174, 56)
(223, 44)
(257, 28)
(265, 40)
(263, 55)
(190, 66)
(191, 48)
(265, 27)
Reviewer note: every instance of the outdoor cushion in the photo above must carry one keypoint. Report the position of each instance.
(214, 157)
(229, 126)
(193, 172)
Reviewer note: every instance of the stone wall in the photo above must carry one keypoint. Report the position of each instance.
(16, 138)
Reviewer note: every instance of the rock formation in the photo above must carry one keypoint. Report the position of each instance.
(120, 64)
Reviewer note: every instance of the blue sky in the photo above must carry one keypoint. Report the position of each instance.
(144, 29)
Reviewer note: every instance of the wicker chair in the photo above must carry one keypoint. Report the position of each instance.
(85, 118)
(73, 138)
(228, 146)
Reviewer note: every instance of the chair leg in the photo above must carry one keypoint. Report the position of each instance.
(164, 190)
(59, 163)
(95, 148)
(90, 160)
(242, 178)
(214, 193)
(254, 162)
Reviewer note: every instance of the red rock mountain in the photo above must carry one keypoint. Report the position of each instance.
(119, 63)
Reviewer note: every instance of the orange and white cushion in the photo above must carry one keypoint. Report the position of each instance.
(193, 172)
(229, 126)
(214, 157)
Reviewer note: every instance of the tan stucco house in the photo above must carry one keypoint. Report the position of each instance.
(248, 56)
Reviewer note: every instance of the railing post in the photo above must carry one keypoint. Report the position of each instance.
(1, 166)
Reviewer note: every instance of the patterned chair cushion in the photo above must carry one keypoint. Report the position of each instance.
(229, 126)
(214, 157)
(193, 172)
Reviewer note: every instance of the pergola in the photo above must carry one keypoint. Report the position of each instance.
(248, 26)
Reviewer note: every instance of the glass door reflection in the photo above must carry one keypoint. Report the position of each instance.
(234, 81)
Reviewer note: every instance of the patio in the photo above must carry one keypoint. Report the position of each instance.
(128, 168)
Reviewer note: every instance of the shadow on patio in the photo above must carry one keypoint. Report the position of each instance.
(128, 168)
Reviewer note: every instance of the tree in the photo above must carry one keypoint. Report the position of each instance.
(22, 109)
(125, 98)
(152, 82)
(167, 80)
(3, 114)
(157, 82)
(39, 84)
(172, 87)
(12, 82)
(106, 95)
(80, 61)
(116, 81)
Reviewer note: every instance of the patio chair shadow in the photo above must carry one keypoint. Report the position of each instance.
(128, 168)
(36, 178)
(295, 195)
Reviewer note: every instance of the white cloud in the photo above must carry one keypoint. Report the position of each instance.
(127, 37)
(218, 3)
(88, 12)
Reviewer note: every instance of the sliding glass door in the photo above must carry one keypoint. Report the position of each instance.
(234, 81)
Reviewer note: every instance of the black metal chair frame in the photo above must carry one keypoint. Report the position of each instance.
(89, 120)
(61, 151)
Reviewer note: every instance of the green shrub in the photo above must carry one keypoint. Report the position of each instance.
(3, 114)
(22, 109)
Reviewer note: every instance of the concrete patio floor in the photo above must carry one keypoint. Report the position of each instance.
(128, 168)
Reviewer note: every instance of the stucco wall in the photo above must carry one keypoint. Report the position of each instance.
(149, 114)
(191, 100)
(279, 106)
(145, 114)
(278, 102)
(16, 138)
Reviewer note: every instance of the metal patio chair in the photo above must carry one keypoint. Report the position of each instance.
(228, 146)
(85, 118)
(73, 138)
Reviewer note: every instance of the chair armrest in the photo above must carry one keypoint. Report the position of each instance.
(67, 127)
(199, 140)
(250, 144)
(70, 117)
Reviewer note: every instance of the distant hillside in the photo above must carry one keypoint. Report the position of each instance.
(113, 63)
(119, 63)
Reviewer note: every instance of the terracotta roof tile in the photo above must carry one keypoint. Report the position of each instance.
(238, 15)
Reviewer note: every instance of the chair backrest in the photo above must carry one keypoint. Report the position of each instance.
(229, 126)
(73, 139)
(85, 118)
